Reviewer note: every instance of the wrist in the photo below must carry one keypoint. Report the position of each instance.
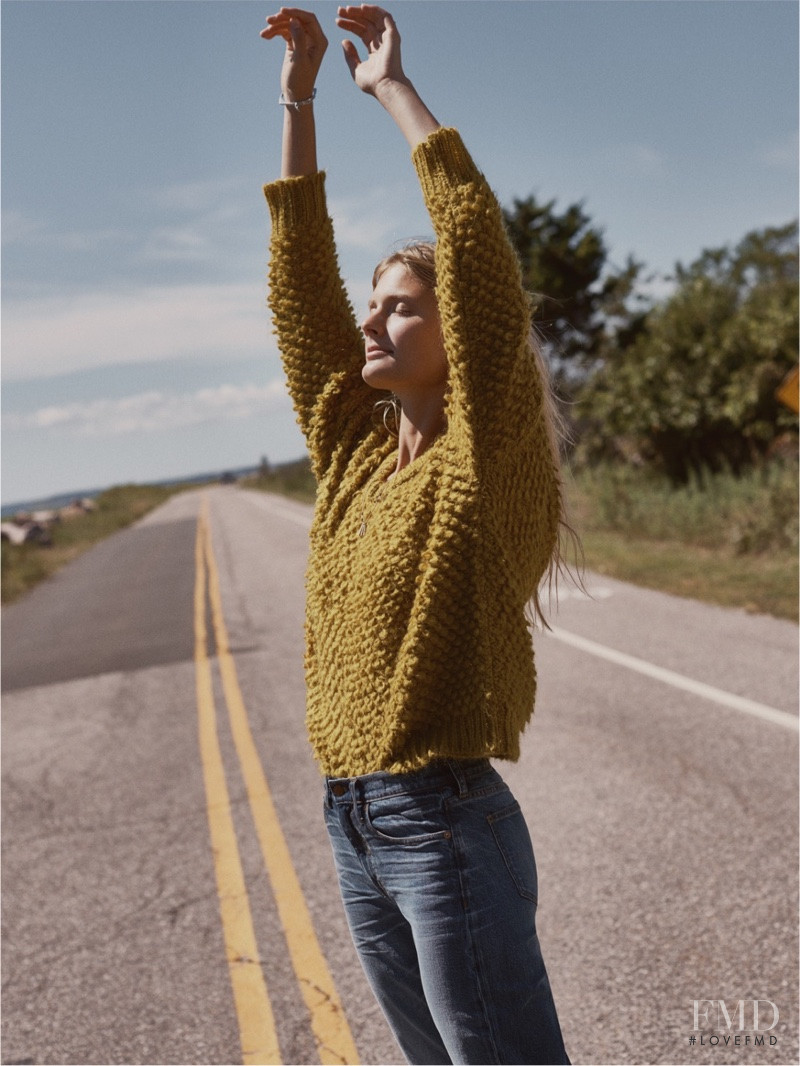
(293, 102)
(403, 103)
(393, 90)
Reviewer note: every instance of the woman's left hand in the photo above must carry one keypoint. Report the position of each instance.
(377, 30)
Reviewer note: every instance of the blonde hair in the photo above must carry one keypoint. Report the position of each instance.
(419, 258)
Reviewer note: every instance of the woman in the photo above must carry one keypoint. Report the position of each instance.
(426, 548)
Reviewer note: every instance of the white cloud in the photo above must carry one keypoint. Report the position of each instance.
(44, 336)
(198, 219)
(189, 222)
(202, 240)
(154, 410)
(19, 228)
(185, 243)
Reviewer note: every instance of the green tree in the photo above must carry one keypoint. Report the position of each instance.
(575, 297)
(694, 388)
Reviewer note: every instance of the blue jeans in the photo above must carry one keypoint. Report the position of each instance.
(438, 880)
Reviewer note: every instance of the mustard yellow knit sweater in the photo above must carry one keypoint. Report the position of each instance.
(417, 644)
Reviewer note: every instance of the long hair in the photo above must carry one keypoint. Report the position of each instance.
(418, 257)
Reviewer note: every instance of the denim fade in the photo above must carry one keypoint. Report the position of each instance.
(438, 880)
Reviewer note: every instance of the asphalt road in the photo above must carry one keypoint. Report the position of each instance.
(659, 779)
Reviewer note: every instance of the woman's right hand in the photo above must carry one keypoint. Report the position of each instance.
(378, 32)
(305, 47)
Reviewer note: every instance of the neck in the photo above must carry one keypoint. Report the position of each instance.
(421, 419)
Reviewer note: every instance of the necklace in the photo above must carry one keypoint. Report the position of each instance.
(370, 495)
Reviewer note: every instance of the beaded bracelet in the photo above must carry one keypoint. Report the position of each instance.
(297, 104)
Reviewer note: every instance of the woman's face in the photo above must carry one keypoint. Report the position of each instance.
(403, 336)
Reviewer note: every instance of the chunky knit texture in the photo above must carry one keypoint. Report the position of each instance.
(418, 645)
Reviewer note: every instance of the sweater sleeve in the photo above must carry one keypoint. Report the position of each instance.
(320, 343)
(484, 308)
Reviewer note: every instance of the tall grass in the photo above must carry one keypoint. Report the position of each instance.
(290, 479)
(751, 514)
(731, 541)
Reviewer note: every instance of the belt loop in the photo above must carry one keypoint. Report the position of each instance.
(457, 770)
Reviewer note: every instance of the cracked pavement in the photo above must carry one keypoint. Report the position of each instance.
(664, 826)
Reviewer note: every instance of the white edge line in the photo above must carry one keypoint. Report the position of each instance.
(292, 516)
(669, 677)
(266, 503)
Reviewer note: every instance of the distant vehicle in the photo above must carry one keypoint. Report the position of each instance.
(228, 478)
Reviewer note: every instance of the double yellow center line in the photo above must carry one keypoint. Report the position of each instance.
(254, 1012)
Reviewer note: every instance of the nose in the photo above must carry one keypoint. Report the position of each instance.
(370, 323)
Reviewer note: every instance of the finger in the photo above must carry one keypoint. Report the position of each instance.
(275, 31)
(278, 24)
(373, 13)
(366, 10)
(357, 16)
(358, 28)
(308, 21)
(380, 18)
(368, 32)
(351, 57)
(276, 21)
(308, 18)
(298, 34)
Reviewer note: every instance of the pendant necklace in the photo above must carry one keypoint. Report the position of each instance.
(369, 497)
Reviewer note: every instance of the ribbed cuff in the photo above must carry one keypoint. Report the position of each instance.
(441, 159)
(296, 201)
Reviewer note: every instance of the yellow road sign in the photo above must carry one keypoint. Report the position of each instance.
(789, 390)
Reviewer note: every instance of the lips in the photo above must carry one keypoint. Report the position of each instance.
(376, 353)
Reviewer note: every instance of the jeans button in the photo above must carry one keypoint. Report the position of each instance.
(339, 789)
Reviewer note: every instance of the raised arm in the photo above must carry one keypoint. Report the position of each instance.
(305, 47)
(320, 343)
(381, 74)
(484, 310)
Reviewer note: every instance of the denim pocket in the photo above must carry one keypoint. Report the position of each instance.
(408, 819)
(514, 841)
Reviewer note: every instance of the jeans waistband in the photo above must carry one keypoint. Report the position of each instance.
(458, 773)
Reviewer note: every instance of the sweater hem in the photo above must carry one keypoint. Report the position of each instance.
(297, 201)
(442, 160)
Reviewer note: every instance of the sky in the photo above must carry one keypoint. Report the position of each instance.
(137, 345)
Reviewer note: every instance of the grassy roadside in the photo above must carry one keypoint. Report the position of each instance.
(732, 541)
(290, 479)
(25, 565)
(763, 584)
